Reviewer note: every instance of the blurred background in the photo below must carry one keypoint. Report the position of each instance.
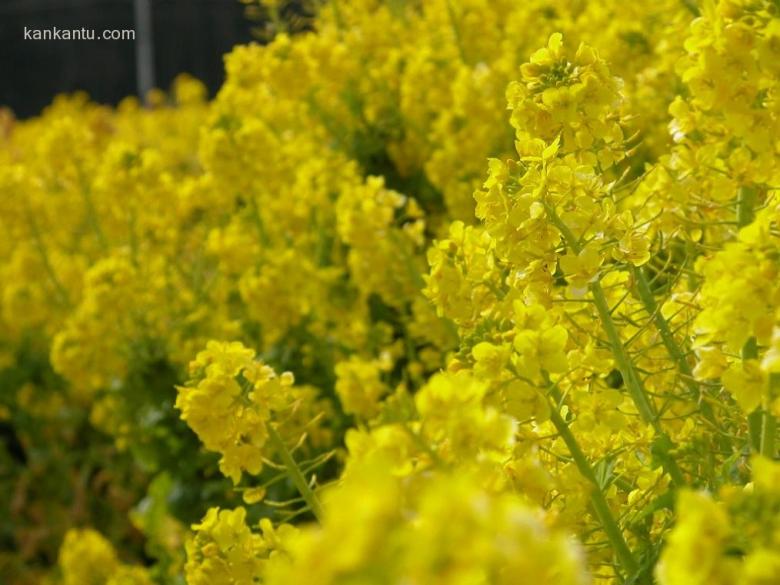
(186, 36)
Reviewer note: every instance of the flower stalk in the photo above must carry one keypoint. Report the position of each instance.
(295, 473)
(624, 363)
(598, 500)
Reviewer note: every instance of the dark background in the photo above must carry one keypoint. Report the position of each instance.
(190, 36)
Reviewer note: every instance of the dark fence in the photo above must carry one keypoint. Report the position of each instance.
(188, 36)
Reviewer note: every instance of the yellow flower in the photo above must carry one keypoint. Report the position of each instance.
(692, 555)
(490, 359)
(580, 269)
(441, 529)
(228, 403)
(542, 350)
(455, 419)
(359, 386)
(745, 381)
(223, 550)
(771, 360)
(87, 557)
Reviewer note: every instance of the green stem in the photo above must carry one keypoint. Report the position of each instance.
(768, 430)
(623, 361)
(648, 300)
(768, 422)
(761, 423)
(672, 347)
(746, 201)
(634, 383)
(631, 379)
(754, 419)
(294, 472)
(597, 498)
(755, 422)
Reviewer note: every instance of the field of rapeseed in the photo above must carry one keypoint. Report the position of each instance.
(441, 292)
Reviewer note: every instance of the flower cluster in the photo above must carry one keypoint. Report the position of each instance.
(734, 540)
(435, 529)
(230, 400)
(87, 557)
(477, 292)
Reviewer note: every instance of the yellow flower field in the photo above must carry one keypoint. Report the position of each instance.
(434, 292)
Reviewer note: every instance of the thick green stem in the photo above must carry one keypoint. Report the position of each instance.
(754, 419)
(634, 383)
(295, 473)
(768, 422)
(768, 430)
(626, 367)
(746, 202)
(648, 300)
(761, 423)
(624, 363)
(670, 343)
(597, 499)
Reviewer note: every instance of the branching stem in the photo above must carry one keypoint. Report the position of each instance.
(624, 363)
(597, 498)
(295, 473)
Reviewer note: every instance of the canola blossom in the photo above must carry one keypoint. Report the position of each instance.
(453, 292)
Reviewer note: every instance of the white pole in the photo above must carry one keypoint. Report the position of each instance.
(144, 48)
